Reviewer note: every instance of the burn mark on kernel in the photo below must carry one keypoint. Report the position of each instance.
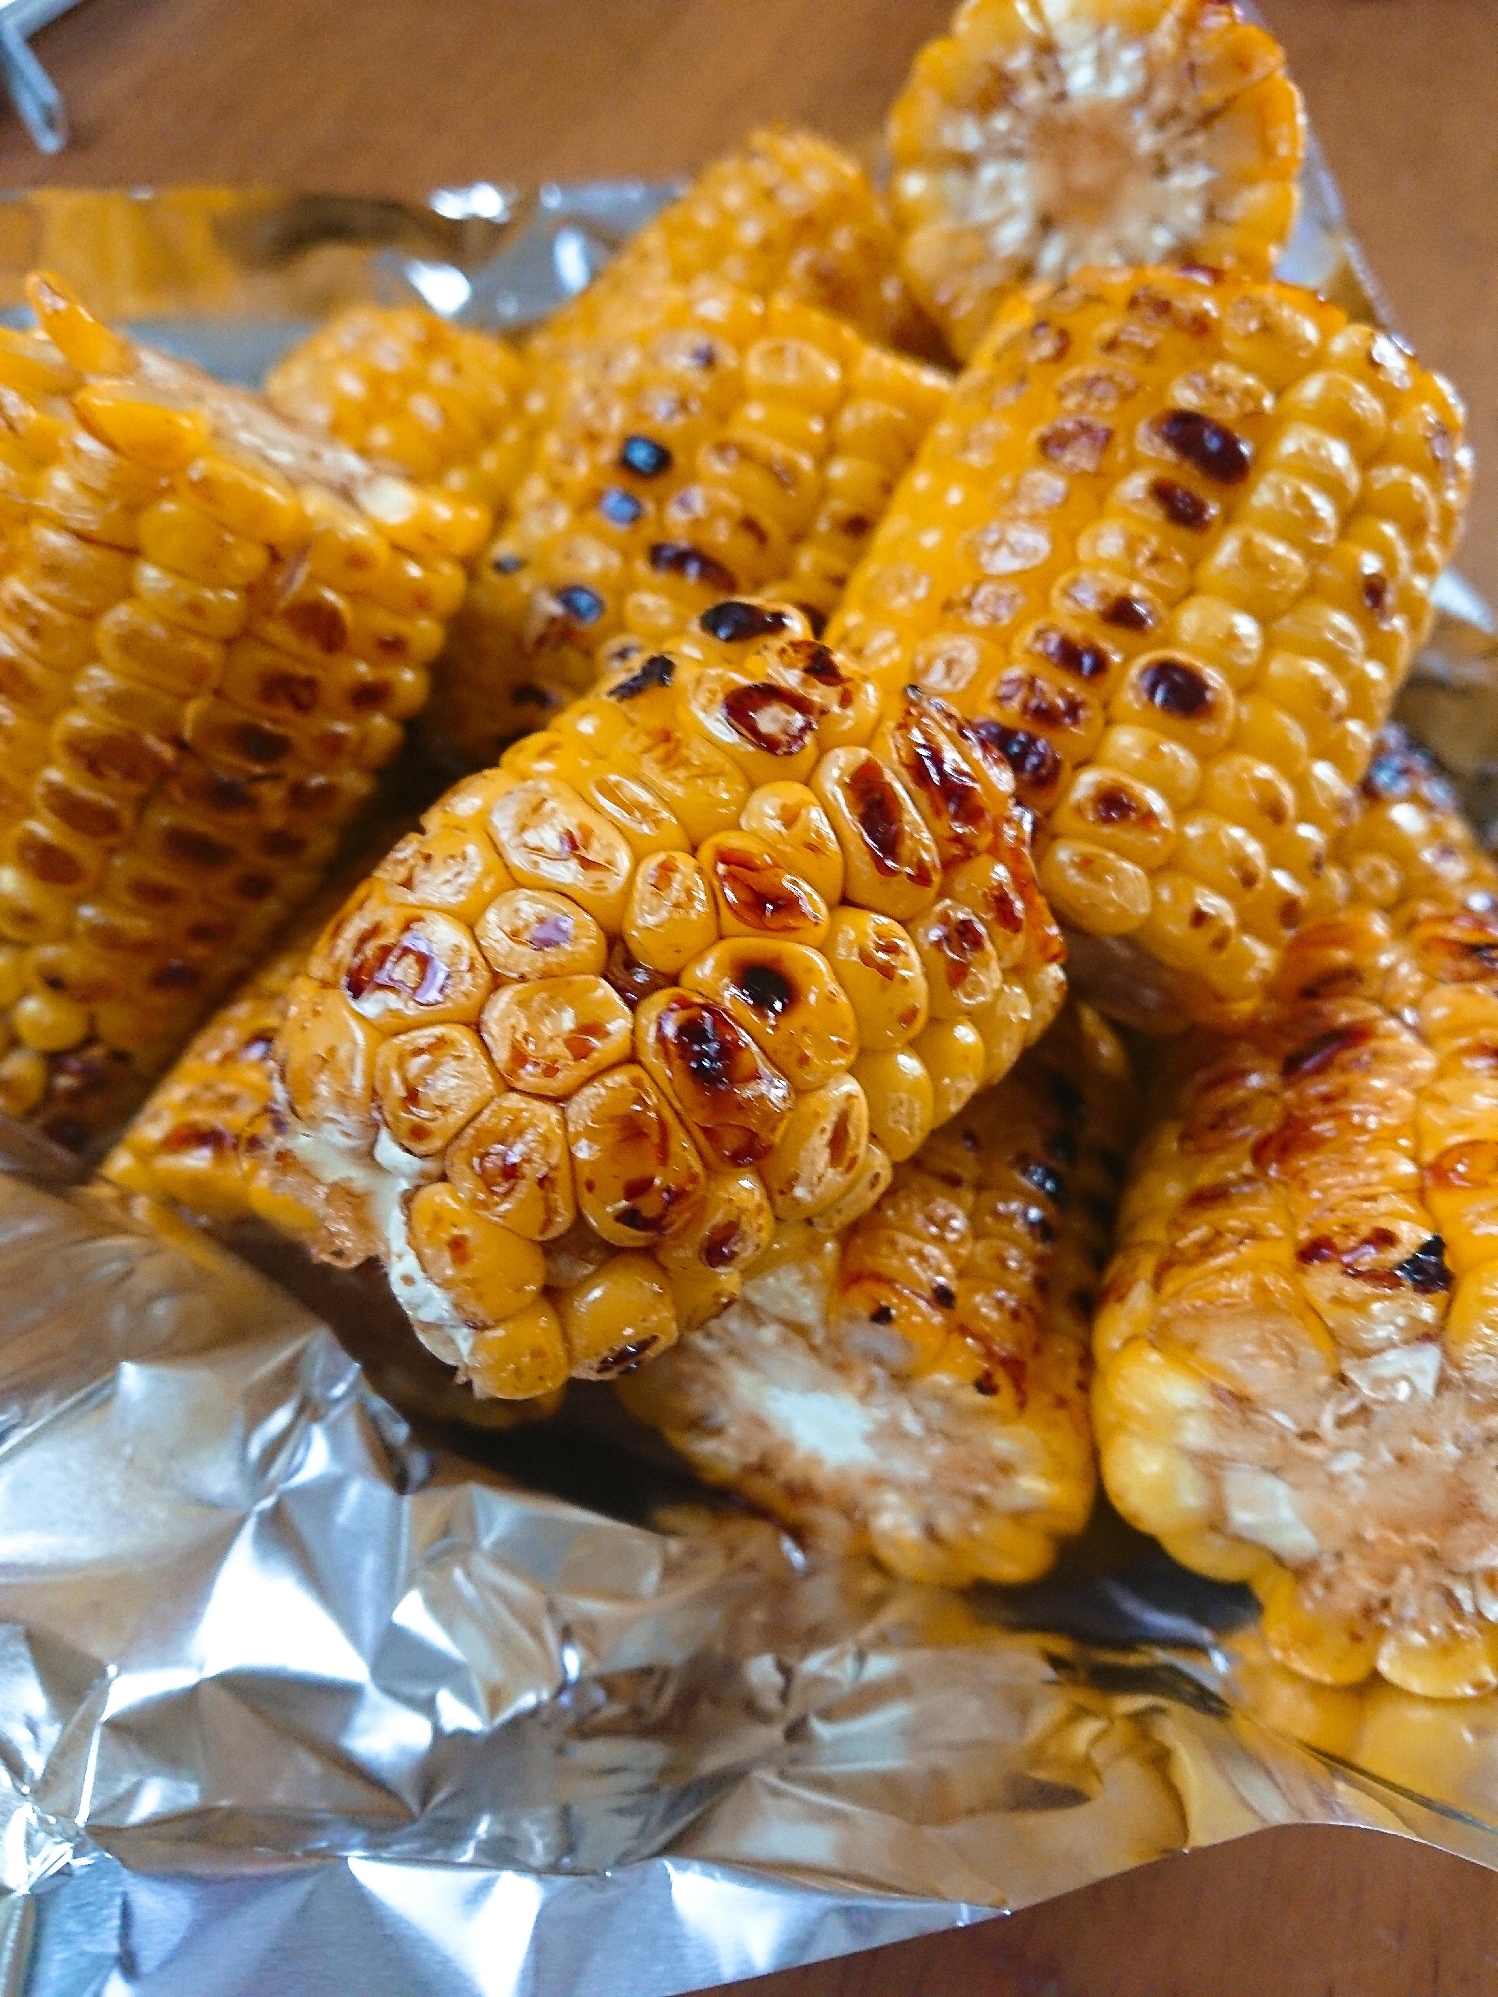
(1181, 506)
(1044, 1179)
(658, 670)
(941, 775)
(1425, 1271)
(1376, 593)
(1072, 655)
(619, 506)
(816, 661)
(961, 942)
(763, 894)
(767, 989)
(582, 605)
(1176, 687)
(320, 621)
(624, 1359)
(528, 694)
(1112, 805)
(721, 1245)
(680, 558)
(1129, 613)
(876, 806)
(943, 1295)
(774, 719)
(644, 456)
(1216, 451)
(733, 623)
(882, 1314)
(1034, 699)
(1318, 1054)
(1032, 759)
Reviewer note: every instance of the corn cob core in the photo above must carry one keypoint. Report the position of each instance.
(1032, 142)
(212, 626)
(442, 403)
(704, 957)
(1170, 548)
(707, 442)
(918, 1387)
(1298, 1345)
(787, 211)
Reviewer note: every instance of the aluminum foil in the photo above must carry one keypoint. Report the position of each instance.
(294, 1698)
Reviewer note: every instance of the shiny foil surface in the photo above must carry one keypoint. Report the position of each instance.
(294, 1699)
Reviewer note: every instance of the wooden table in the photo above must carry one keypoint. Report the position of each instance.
(404, 95)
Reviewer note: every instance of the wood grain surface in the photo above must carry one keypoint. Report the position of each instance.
(398, 96)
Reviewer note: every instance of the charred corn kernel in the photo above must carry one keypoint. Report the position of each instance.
(788, 212)
(916, 1385)
(190, 716)
(665, 1051)
(1031, 143)
(442, 403)
(1297, 1339)
(660, 482)
(1179, 593)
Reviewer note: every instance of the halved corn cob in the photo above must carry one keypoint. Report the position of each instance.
(1041, 137)
(212, 625)
(918, 1387)
(704, 956)
(442, 403)
(1298, 1343)
(183, 1147)
(786, 211)
(1171, 547)
(705, 442)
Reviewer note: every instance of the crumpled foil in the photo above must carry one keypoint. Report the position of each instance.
(296, 1699)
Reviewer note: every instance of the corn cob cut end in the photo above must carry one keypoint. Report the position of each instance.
(1298, 1339)
(1030, 144)
(701, 959)
(917, 1387)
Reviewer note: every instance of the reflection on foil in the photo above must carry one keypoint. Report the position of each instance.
(292, 1700)
(266, 1662)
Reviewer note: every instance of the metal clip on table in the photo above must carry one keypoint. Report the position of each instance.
(35, 96)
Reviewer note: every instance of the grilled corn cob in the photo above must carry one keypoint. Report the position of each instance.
(707, 443)
(1171, 547)
(706, 955)
(919, 1386)
(787, 212)
(212, 626)
(1298, 1343)
(441, 403)
(1035, 140)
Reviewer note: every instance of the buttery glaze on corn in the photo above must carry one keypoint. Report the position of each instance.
(707, 955)
(212, 628)
(1171, 547)
(1298, 1344)
(918, 1385)
(702, 442)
